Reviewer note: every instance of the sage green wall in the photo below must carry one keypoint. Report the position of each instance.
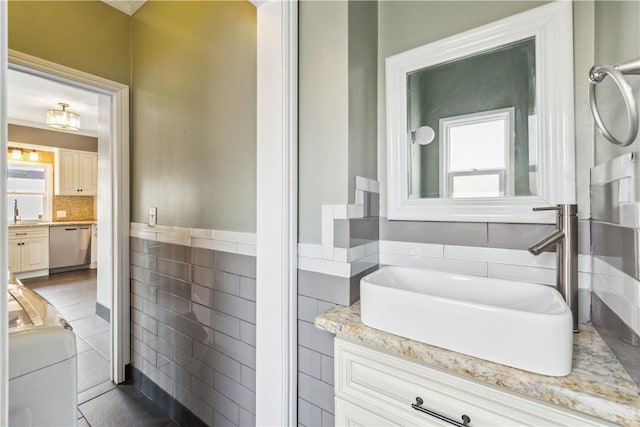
(51, 138)
(617, 39)
(363, 80)
(86, 35)
(337, 105)
(583, 20)
(194, 114)
(323, 111)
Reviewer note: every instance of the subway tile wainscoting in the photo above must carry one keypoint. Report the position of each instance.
(615, 231)
(193, 322)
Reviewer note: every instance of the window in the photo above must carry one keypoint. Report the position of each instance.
(29, 184)
(475, 155)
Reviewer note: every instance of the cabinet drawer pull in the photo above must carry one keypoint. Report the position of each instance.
(465, 418)
(21, 234)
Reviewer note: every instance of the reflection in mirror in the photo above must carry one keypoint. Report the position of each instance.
(483, 110)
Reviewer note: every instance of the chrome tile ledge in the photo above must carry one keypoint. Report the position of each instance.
(598, 385)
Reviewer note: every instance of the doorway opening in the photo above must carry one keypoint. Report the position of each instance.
(111, 206)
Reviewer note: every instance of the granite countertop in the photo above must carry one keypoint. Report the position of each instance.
(50, 223)
(597, 385)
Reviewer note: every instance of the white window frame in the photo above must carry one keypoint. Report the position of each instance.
(506, 175)
(48, 189)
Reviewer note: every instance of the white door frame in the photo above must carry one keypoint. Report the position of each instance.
(277, 207)
(118, 215)
(4, 326)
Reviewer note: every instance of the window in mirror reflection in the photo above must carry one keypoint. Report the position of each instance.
(476, 158)
(495, 153)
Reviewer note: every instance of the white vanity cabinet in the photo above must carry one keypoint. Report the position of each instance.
(76, 173)
(28, 249)
(373, 387)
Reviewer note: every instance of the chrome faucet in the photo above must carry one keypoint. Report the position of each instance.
(566, 240)
(16, 213)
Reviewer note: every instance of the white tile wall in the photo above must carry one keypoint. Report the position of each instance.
(327, 232)
(349, 211)
(309, 250)
(501, 256)
(619, 291)
(545, 276)
(512, 264)
(345, 263)
(219, 240)
(459, 266)
(409, 248)
(334, 268)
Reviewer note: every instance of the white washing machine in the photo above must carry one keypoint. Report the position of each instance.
(42, 362)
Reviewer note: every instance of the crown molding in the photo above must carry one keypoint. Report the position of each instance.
(127, 6)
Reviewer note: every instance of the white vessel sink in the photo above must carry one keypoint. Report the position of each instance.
(523, 325)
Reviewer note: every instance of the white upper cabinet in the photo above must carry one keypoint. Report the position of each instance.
(76, 173)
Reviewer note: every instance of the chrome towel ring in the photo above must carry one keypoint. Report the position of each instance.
(616, 72)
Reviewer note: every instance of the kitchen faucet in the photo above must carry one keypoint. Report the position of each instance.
(16, 213)
(565, 237)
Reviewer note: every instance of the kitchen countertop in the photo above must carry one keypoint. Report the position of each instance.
(598, 385)
(13, 280)
(50, 223)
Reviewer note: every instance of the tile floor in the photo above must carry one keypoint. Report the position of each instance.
(100, 402)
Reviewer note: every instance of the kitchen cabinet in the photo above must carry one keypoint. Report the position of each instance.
(28, 249)
(374, 387)
(76, 173)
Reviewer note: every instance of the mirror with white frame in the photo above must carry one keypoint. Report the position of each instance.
(480, 124)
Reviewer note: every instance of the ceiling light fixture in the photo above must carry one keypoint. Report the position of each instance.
(63, 119)
(16, 154)
(33, 156)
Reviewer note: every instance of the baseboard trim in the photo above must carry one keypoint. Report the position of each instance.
(71, 268)
(103, 312)
(31, 274)
(163, 400)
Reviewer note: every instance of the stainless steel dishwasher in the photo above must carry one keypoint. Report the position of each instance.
(69, 246)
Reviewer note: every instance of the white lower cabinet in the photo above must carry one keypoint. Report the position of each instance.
(28, 249)
(373, 387)
(348, 414)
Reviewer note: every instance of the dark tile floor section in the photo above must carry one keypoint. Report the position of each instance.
(101, 403)
(123, 406)
(162, 399)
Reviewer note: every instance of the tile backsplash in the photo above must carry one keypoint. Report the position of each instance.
(615, 237)
(78, 208)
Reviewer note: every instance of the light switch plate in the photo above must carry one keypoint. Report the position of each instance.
(153, 213)
(61, 214)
